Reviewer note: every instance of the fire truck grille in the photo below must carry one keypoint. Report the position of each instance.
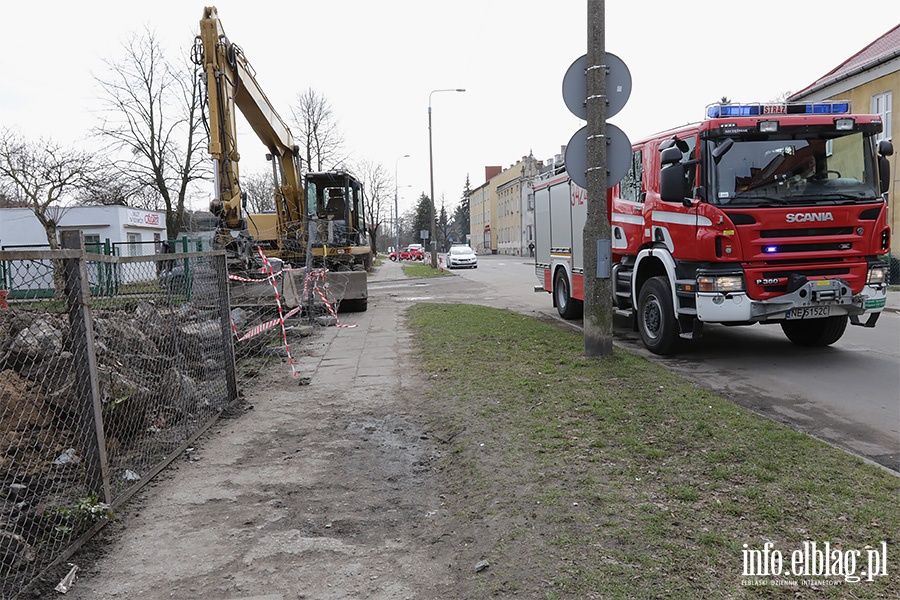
(810, 272)
(784, 233)
(820, 247)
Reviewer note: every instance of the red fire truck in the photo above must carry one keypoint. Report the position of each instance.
(762, 213)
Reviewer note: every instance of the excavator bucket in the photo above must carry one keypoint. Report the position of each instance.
(345, 291)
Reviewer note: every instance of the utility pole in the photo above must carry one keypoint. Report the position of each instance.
(598, 325)
(434, 261)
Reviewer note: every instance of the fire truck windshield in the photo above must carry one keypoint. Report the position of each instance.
(785, 169)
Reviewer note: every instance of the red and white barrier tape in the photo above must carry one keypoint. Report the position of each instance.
(267, 325)
(266, 279)
(319, 275)
(312, 278)
(280, 311)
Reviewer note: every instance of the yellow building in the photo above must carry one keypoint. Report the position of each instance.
(501, 218)
(870, 79)
(481, 212)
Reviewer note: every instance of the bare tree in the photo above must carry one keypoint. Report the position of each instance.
(408, 232)
(105, 185)
(319, 135)
(8, 197)
(377, 188)
(153, 118)
(260, 190)
(42, 176)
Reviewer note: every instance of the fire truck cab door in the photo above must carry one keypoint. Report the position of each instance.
(675, 224)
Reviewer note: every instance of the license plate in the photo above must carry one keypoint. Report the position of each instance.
(809, 312)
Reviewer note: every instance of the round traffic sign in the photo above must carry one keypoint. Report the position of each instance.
(618, 156)
(618, 86)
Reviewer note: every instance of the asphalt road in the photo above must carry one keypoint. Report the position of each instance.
(847, 394)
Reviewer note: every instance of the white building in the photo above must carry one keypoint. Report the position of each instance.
(134, 232)
(119, 230)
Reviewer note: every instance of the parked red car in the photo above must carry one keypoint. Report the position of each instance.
(409, 253)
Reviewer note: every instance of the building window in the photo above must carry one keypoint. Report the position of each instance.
(881, 106)
(134, 239)
(92, 242)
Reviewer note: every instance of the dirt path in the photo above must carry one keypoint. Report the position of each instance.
(320, 491)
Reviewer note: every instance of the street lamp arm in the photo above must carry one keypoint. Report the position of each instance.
(443, 90)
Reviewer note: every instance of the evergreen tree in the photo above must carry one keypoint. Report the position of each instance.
(461, 221)
(444, 230)
(422, 220)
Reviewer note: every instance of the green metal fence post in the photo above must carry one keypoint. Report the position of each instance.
(187, 267)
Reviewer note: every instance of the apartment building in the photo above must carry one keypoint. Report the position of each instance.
(481, 213)
(869, 79)
(501, 212)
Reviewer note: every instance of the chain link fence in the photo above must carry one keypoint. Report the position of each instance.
(109, 368)
(112, 362)
(894, 270)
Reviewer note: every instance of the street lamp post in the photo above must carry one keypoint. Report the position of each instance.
(431, 173)
(396, 211)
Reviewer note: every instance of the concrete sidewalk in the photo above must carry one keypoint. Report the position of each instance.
(320, 491)
(363, 350)
(893, 301)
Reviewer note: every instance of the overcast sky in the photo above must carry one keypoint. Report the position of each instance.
(377, 62)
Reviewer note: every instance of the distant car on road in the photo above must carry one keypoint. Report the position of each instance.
(408, 253)
(461, 256)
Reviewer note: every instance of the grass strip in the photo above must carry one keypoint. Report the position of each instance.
(423, 270)
(614, 478)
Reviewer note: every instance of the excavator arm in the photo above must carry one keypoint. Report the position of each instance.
(231, 86)
(337, 239)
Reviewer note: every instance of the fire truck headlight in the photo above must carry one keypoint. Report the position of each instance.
(720, 283)
(844, 124)
(877, 276)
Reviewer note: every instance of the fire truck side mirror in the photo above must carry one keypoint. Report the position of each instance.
(670, 156)
(885, 149)
(671, 182)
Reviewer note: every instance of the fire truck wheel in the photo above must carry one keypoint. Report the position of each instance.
(815, 332)
(568, 307)
(656, 317)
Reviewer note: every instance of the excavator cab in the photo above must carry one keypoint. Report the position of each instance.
(335, 202)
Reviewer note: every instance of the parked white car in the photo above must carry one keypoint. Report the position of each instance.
(461, 256)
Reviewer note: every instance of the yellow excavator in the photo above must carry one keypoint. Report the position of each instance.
(318, 220)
